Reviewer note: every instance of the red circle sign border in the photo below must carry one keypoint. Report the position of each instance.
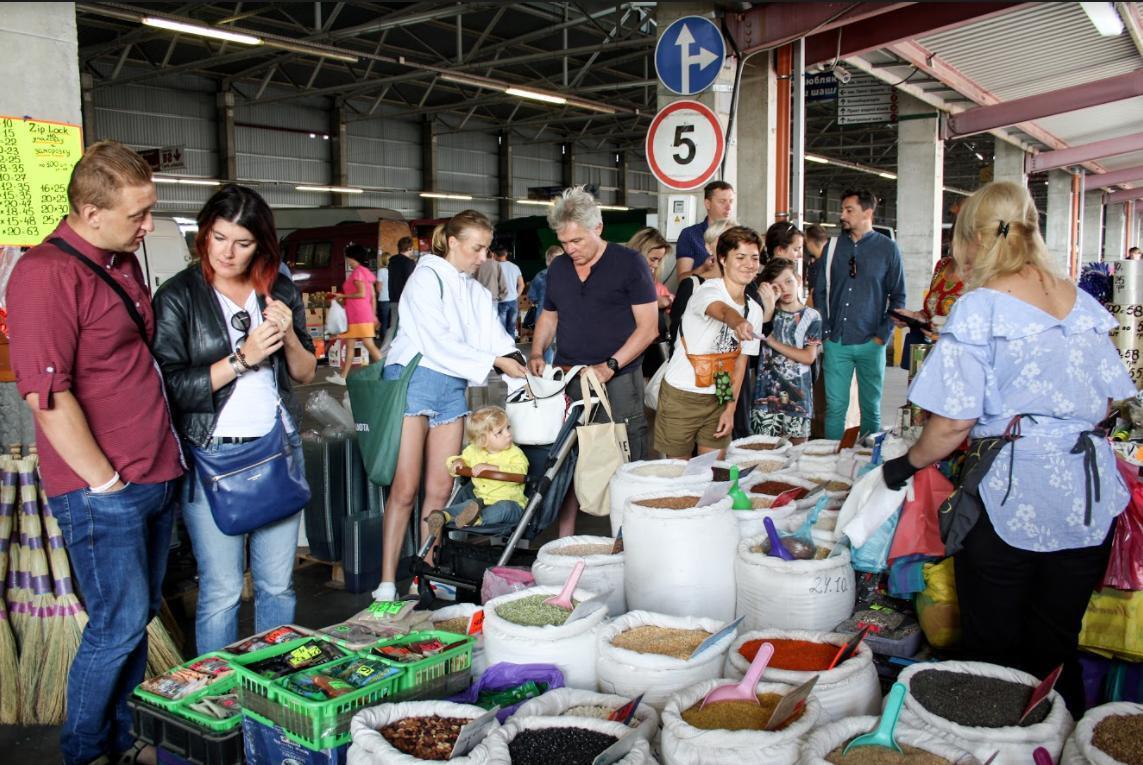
(665, 112)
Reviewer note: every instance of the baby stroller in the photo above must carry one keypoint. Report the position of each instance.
(465, 554)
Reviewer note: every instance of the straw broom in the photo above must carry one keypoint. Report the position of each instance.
(162, 653)
(44, 622)
(70, 620)
(9, 661)
(17, 595)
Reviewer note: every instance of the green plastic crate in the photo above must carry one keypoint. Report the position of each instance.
(434, 670)
(314, 724)
(172, 705)
(228, 684)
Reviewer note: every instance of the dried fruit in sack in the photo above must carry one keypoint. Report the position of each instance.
(426, 738)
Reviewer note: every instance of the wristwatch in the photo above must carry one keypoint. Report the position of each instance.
(613, 365)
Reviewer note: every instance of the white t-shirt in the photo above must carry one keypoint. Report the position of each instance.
(706, 335)
(250, 410)
(512, 275)
(383, 285)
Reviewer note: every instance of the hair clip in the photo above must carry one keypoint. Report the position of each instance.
(1002, 230)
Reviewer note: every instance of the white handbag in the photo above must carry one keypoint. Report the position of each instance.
(651, 389)
(537, 410)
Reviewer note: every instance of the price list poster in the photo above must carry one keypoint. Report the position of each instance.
(36, 159)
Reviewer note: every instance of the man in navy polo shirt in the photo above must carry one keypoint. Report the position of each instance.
(600, 307)
(690, 250)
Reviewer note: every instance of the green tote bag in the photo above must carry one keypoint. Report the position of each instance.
(378, 415)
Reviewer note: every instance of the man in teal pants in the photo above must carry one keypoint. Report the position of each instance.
(859, 279)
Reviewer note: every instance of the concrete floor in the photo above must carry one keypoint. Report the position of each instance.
(317, 604)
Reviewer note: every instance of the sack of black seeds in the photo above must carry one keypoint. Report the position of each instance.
(836, 735)
(977, 705)
(567, 741)
(572, 702)
(1111, 734)
(394, 734)
(685, 744)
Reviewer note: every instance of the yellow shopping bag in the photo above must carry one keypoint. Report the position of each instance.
(937, 608)
(1113, 624)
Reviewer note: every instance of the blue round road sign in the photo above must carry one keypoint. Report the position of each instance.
(689, 55)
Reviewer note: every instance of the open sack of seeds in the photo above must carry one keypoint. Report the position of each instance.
(602, 573)
(532, 740)
(977, 706)
(754, 447)
(731, 731)
(644, 652)
(814, 594)
(763, 489)
(519, 628)
(419, 731)
(824, 746)
(573, 702)
(679, 557)
(455, 619)
(1110, 734)
(650, 475)
(847, 690)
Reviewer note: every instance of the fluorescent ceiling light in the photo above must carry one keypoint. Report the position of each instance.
(202, 31)
(614, 207)
(473, 80)
(533, 202)
(536, 95)
(1104, 17)
(816, 158)
(200, 181)
(827, 225)
(331, 189)
(890, 176)
(441, 195)
(160, 179)
(311, 50)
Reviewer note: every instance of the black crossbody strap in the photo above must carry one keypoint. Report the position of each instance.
(128, 303)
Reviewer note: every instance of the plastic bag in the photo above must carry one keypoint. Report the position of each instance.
(501, 580)
(502, 676)
(1125, 566)
(919, 530)
(872, 557)
(938, 610)
(336, 320)
(325, 409)
(1113, 624)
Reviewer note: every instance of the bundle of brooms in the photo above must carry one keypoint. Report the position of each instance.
(9, 663)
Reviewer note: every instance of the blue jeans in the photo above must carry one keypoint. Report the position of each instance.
(838, 366)
(222, 566)
(384, 313)
(508, 310)
(118, 546)
(504, 511)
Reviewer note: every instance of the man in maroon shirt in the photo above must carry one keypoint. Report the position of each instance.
(108, 454)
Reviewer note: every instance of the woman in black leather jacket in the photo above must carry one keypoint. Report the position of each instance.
(231, 337)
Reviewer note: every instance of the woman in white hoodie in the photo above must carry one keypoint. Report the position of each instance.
(450, 319)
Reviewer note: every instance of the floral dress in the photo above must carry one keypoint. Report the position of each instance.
(999, 357)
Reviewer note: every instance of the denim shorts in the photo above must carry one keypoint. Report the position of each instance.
(432, 394)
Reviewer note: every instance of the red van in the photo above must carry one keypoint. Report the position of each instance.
(316, 256)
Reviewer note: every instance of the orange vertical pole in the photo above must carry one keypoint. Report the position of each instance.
(1073, 239)
(785, 66)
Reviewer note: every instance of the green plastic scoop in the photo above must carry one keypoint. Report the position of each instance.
(739, 500)
(883, 735)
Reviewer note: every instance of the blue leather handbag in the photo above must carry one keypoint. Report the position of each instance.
(254, 485)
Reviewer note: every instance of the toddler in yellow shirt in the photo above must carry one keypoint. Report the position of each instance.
(486, 501)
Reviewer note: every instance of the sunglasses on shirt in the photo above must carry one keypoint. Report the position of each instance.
(241, 322)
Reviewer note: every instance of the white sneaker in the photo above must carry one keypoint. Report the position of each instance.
(386, 591)
(335, 379)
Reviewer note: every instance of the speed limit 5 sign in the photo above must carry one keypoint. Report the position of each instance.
(685, 145)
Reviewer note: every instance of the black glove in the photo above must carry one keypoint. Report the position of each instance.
(897, 471)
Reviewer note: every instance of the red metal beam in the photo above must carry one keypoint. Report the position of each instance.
(1075, 155)
(903, 24)
(1019, 110)
(1116, 177)
(772, 25)
(1127, 195)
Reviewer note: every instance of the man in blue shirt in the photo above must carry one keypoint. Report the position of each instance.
(858, 281)
(690, 250)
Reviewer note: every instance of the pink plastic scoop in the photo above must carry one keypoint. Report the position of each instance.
(563, 600)
(746, 690)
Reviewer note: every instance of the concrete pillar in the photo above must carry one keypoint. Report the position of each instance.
(429, 205)
(39, 51)
(1058, 218)
(756, 126)
(87, 87)
(227, 146)
(1116, 230)
(504, 175)
(339, 152)
(1008, 163)
(920, 179)
(1092, 249)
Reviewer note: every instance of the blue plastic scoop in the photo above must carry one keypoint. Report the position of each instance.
(883, 735)
(777, 549)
